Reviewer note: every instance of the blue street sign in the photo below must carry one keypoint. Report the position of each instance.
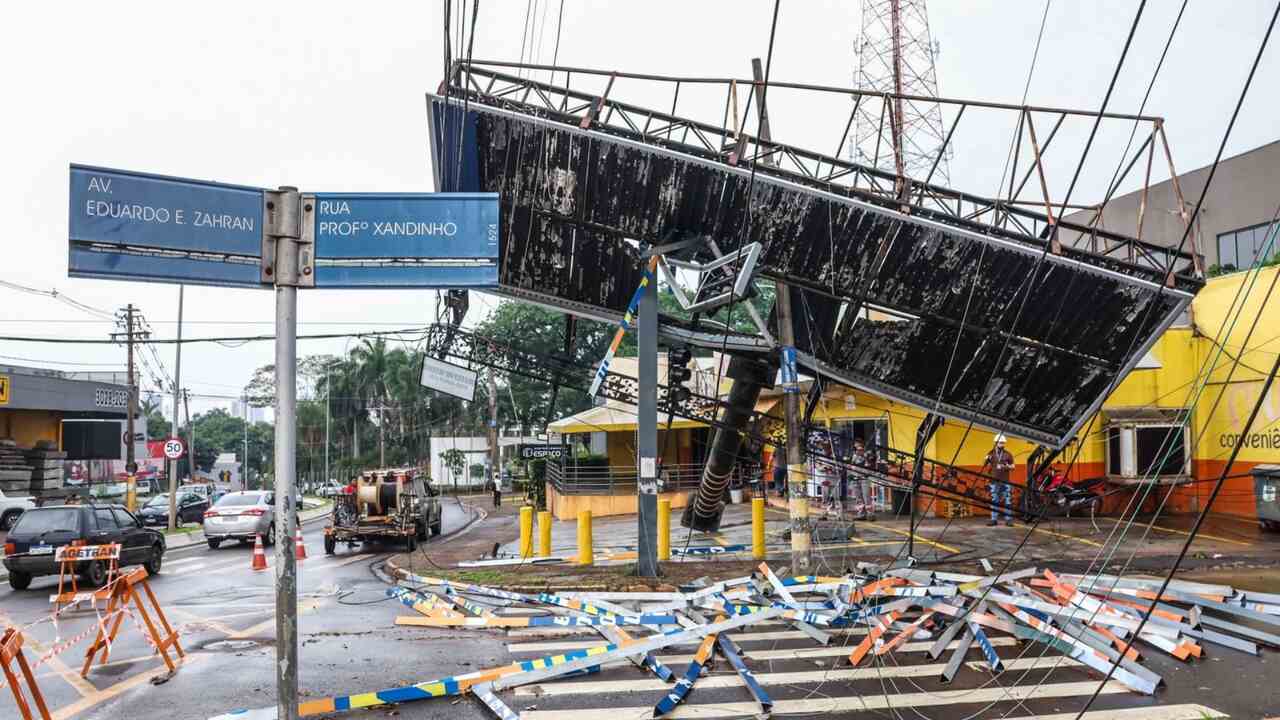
(135, 226)
(436, 226)
(441, 240)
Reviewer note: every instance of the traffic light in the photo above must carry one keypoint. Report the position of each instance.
(679, 372)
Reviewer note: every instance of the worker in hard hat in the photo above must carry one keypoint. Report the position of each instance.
(998, 465)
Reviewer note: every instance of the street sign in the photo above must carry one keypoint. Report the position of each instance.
(136, 226)
(406, 240)
(448, 378)
(174, 448)
(529, 451)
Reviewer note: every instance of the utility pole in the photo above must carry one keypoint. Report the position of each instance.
(191, 434)
(177, 383)
(327, 477)
(244, 481)
(797, 487)
(647, 431)
(495, 457)
(131, 334)
(382, 435)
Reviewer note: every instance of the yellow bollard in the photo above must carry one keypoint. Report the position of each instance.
(526, 532)
(664, 529)
(585, 556)
(757, 528)
(544, 534)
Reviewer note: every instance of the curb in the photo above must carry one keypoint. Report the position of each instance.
(478, 515)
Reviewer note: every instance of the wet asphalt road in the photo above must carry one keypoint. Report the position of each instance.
(225, 612)
(349, 644)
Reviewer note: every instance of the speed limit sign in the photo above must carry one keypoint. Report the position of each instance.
(173, 448)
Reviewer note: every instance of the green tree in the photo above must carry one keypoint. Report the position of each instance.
(455, 461)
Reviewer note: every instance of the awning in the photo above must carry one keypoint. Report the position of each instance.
(612, 419)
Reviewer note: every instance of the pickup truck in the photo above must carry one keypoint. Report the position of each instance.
(11, 508)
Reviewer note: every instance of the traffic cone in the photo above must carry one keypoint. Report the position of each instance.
(259, 555)
(300, 549)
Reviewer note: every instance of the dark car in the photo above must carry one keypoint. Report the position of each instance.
(191, 507)
(34, 540)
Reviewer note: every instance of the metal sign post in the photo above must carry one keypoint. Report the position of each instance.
(286, 214)
(134, 226)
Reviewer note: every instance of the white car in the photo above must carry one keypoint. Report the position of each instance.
(11, 508)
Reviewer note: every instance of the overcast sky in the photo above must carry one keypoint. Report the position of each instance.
(330, 97)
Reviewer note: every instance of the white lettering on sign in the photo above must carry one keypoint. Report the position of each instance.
(103, 397)
(334, 207)
(115, 210)
(446, 229)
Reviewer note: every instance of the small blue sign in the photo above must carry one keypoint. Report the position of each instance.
(135, 226)
(434, 226)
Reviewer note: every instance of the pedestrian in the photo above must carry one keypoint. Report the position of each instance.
(863, 500)
(999, 464)
(779, 473)
(497, 492)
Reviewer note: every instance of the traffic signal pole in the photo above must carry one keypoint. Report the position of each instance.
(647, 433)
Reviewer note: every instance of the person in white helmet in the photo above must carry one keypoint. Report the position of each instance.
(998, 465)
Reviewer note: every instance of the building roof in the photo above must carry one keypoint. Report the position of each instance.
(607, 418)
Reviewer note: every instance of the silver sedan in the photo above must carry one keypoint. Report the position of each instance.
(241, 516)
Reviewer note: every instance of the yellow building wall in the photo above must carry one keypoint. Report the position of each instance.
(566, 507)
(27, 427)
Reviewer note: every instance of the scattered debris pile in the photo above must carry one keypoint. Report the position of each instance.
(1094, 621)
(15, 473)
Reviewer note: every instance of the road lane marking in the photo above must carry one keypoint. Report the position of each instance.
(1198, 535)
(190, 568)
(826, 705)
(596, 687)
(181, 561)
(82, 686)
(1066, 536)
(919, 538)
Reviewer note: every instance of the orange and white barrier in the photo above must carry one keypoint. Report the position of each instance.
(300, 548)
(11, 652)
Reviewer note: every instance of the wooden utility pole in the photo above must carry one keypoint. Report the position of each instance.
(797, 485)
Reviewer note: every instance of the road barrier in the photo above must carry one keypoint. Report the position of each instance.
(124, 599)
(585, 556)
(664, 529)
(526, 532)
(11, 652)
(544, 533)
(77, 552)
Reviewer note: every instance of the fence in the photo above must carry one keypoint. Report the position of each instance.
(570, 478)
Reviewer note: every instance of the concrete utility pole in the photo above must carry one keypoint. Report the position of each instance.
(797, 486)
(495, 454)
(177, 383)
(191, 434)
(382, 435)
(244, 480)
(327, 477)
(647, 433)
(132, 334)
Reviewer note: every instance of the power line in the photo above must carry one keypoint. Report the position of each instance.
(242, 339)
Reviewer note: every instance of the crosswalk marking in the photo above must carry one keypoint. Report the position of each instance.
(550, 647)
(833, 651)
(596, 687)
(821, 705)
(182, 561)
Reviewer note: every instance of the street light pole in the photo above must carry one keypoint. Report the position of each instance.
(326, 425)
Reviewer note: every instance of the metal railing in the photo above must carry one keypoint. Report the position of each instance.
(569, 478)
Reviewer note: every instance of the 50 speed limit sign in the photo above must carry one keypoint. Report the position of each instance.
(174, 449)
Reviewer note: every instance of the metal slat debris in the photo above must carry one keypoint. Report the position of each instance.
(1089, 620)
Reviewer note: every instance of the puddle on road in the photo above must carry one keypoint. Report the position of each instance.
(232, 645)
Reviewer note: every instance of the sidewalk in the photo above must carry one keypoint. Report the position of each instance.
(1068, 544)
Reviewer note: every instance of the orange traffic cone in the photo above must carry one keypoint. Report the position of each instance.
(259, 555)
(300, 550)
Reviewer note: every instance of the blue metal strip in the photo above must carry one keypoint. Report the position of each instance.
(731, 651)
